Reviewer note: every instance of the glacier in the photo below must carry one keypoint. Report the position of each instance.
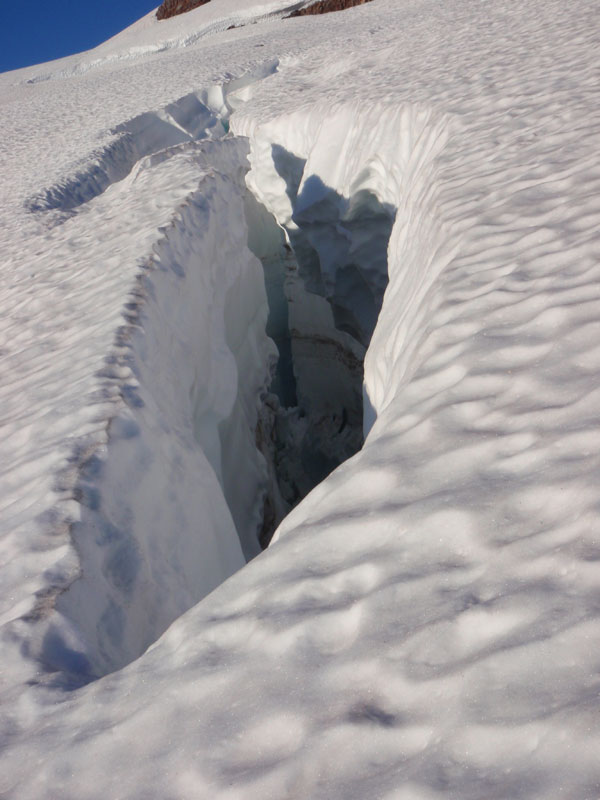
(300, 414)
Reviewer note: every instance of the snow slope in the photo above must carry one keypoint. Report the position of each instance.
(426, 622)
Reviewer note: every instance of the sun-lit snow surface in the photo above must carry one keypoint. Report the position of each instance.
(426, 625)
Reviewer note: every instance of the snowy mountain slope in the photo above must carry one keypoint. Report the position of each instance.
(426, 623)
(151, 36)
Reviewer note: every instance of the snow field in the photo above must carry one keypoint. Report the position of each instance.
(426, 624)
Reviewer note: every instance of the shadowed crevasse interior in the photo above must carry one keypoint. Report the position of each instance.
(325, 276)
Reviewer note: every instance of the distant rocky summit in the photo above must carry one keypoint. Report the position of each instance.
(325, 6)
(170, 8)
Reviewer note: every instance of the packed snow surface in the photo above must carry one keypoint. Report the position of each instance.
(418, 184)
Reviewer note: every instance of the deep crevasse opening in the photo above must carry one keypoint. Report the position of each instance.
(311, 419)
(217, 439)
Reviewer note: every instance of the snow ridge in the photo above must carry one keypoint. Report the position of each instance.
(201, 115)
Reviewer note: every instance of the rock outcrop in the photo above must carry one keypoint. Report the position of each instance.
(170, 8)
(325, 6)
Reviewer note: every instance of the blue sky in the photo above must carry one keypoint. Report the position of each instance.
(33, 31)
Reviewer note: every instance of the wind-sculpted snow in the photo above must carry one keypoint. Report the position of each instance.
(426, 623)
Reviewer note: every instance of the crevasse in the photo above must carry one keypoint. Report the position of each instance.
(244, 361)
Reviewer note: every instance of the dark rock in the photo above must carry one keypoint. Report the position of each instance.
(326, 6)
(170, 8)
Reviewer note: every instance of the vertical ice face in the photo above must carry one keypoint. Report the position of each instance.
(352, 186)
(174, 501)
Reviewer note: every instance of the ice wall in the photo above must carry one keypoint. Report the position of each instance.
(179, 485)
